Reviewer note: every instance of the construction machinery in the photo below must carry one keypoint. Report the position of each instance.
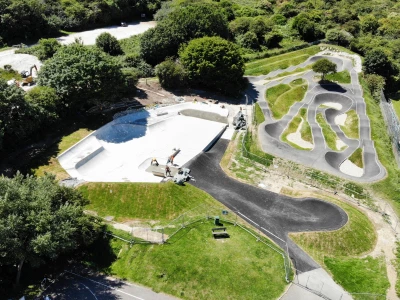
(27, 77)
(239, 121)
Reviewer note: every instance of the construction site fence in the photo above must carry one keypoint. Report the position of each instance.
(393, 125)
(344, 189)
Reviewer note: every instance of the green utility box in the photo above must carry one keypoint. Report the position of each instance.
(216, 220)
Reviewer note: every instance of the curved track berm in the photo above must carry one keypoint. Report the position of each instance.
(276, 213)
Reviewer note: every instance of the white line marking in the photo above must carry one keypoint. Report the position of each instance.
(89, 291)
(110, 287)
(247, 218)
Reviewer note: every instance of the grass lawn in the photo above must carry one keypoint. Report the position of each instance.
(52, 165)
(339, 77)
(305, 130)
(396, 106)
(357, 237)
(8, 75)
(337, 251)
(259, 115)
(357, 158)
(193, 265)
(298, 70)
(329, 135)
(282, 96)
(143, 201)
(360, 275)
(351, 125)
(266, 65)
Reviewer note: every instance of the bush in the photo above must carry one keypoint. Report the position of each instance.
(143, 68)
(171, 74)
(109, 44)
(47, 48)
(214, 63)
(375, 83)
(248, 40)
(340, 37)
(272, 39)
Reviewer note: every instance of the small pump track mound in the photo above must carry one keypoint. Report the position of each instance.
(330, 100)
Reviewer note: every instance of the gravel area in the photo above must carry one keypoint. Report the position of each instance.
(295, 138)
(89, 37)
(340, 119)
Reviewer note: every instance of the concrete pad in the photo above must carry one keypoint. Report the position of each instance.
(19, 62)
(89, 37)
(121, 150)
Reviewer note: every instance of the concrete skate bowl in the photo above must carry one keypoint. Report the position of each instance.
(205, 115)
(121, 150)
(121, 133)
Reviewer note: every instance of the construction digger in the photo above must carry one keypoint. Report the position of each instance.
(27, 78)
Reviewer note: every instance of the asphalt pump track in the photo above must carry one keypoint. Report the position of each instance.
(348, 96)
(276, 213)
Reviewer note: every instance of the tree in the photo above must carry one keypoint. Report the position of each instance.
(47, 48)
(377, 62)
(369, 24)
(272, 39)
(324, 66)
(248, 40)
(171, 74)
(375, 83)
(19, 118)
(338, 36)
(39, 220)
(180, 26)
(47, 100)
(82, 75)
(109, 44)
(308, 30)
(214, 63)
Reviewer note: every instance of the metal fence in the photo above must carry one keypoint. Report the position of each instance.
(393, 125)
(162, 233)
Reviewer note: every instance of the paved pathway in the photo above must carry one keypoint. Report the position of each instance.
(75, 285)
(276, 213)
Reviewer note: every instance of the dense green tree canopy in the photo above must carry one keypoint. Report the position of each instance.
(324, 66)
(82, 75)
(109, 44)
(39, 220)
(214, 63)
(377, 62)
(180, 26)
(171, 74)
(18, 118)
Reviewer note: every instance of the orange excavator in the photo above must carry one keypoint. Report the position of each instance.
(27, 77)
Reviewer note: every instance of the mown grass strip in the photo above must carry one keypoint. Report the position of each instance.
(360, 275)
(8, 75)
(265, 66)
(351, 125)
(281, 97)
(339, 77)
(143, 201)
(329, 135)
(356, 158)
(193, 261)
(357, 237)
(259, 115)
(296, 71)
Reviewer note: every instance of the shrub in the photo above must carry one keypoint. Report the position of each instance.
(171, 74)
(109, 44)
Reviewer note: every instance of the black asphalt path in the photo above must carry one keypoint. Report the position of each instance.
(276, 213)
